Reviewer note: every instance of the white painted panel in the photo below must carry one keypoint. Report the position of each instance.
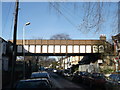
(73, 59)
(65, 60)
(44, 49)
(63, 49)
(31, 48)
(82, 48)
(76, 49)
(76, 58)
(88, 49)
(66, 66)
(100, 61)
(50, 49)
(57, 48)
(25, 48)
(19, 49)
(101, 49)
(38, 48)
(70, 58)
(69, 48)
(95, 49)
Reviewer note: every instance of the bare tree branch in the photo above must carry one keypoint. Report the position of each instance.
(61, 36)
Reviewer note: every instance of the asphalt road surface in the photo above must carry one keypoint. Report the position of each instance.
(62, 83)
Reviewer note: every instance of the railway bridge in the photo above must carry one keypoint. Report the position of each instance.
(62, 47)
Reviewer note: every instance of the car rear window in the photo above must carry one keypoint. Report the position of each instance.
(33, 84)
(41, 75)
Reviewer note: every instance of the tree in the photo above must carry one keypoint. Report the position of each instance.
(61, 36)
(94, 15)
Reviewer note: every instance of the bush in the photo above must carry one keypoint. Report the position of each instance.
(107, 71)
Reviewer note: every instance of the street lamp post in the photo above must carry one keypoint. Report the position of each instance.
(28, 23)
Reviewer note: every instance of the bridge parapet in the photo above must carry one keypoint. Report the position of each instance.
(59, 42)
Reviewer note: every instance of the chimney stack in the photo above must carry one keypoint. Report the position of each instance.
(103, 37)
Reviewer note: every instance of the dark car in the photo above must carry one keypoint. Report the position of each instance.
(59, 72)
(97, 79)
(113, 82)
(38, 83)
(66, 73)
(78, 76)
(86, 78)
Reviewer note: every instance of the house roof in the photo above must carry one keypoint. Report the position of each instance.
(88, 59)
(116, 36)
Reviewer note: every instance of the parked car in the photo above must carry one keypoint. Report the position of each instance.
(33, 83)
(78, 76)
(97, 79)
(59, 72)
(42, 74)
(66, 73)
(54, 70)
(86, 78)
(113, 82)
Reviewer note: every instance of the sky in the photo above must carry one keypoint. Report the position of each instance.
(47, 21)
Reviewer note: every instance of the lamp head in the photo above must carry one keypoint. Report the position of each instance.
(28, 23)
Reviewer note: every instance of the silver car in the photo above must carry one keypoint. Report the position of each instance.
(33, 83)
(41, 74)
